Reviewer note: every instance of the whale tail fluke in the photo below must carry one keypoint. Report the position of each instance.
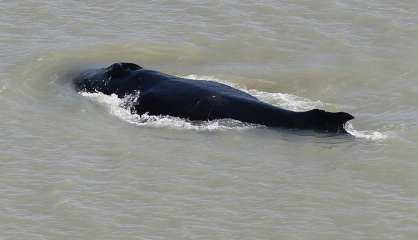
(328, 121)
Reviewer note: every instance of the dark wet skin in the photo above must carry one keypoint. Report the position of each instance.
(163, 94)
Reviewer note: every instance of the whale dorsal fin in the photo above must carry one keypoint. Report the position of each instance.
(117, 69)
(329, 121)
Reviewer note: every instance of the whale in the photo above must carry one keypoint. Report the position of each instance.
(199, 100)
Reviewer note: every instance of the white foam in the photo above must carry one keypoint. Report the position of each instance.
(366, 134)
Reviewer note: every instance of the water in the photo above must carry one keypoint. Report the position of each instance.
(81, 167)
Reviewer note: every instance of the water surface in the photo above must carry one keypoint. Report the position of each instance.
(81, 167)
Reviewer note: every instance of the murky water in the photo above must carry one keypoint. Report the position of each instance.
(78, 166)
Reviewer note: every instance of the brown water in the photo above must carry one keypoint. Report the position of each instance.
(81, 167)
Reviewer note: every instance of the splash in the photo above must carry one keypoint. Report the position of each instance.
(366, 134)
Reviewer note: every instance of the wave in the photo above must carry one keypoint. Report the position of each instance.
(366, 134)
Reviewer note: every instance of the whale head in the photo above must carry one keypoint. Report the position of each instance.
(100, 79)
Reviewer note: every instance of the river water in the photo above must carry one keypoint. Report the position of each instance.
(79, 166)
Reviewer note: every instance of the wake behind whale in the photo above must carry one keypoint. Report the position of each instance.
(162, 94)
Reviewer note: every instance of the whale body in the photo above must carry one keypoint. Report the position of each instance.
(200, 100)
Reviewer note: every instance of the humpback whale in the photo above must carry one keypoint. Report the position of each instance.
(200, 100)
